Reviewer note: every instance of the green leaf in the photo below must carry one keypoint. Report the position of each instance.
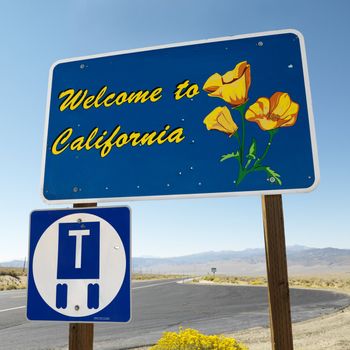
(252, 150)
(273, 174)
(229, 155)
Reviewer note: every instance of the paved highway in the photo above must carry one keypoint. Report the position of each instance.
(160, 306)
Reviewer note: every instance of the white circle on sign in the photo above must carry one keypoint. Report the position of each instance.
(112, 268)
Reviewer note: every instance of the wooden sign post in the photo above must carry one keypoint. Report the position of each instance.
(81, 335)
(277, 274)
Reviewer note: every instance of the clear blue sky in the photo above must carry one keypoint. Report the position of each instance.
(35, 34)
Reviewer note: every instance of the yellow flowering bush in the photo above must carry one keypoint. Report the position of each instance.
(191, 339)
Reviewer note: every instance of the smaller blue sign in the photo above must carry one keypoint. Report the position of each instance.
(79, 265)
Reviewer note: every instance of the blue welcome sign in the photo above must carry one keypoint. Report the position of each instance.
(216, 117)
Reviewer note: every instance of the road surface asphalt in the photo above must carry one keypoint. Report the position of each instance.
(162, 306)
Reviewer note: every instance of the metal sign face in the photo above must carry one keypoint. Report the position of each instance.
(79, 267)
(215, 117)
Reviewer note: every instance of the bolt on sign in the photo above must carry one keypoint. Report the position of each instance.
(217, 117)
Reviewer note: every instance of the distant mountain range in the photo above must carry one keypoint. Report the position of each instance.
(301, 260)
(12, 263)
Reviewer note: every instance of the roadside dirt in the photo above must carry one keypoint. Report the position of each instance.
(325, 332)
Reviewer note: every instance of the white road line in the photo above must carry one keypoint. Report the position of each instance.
(19, 296)
(140, 287)
(153, 285)
(13, 308)
(2, 293)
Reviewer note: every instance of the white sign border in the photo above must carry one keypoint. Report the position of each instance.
(194, 195)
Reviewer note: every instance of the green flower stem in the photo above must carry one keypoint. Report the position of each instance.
(240, 109)
(243, 136)
(240, 154)
(237, 137)
(248, 163)
(241, 175)
(243, 172)
(258, 162)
